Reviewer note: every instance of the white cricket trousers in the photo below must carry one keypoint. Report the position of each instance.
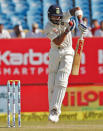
(60, 65)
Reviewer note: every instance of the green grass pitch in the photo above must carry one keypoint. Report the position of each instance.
(60, 126)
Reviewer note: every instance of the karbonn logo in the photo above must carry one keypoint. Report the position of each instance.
(83, 99)
(80, 46)
(31, 57)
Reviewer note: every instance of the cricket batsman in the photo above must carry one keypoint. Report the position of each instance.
(61, 53)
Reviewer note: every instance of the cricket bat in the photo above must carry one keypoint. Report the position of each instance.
(77, 56)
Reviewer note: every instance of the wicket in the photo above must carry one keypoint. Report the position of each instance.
(13, 84)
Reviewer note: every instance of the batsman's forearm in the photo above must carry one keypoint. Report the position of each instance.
(80, 15)
(58, 40)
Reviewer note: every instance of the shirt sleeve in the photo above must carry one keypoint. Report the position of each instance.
(51, 32)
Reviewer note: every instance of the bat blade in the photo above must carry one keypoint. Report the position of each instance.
(77, 57)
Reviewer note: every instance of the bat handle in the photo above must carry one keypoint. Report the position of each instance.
(80, 21)
(81, 36)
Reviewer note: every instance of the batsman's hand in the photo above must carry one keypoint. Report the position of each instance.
(82, 28)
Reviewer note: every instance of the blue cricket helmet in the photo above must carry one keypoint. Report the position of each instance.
(55, 10)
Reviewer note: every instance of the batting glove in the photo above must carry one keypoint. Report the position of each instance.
(82, 28)
(72, 24)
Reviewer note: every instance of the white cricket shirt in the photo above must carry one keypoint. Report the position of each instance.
(53, 30)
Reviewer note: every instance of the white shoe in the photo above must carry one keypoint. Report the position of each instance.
(54, 117)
